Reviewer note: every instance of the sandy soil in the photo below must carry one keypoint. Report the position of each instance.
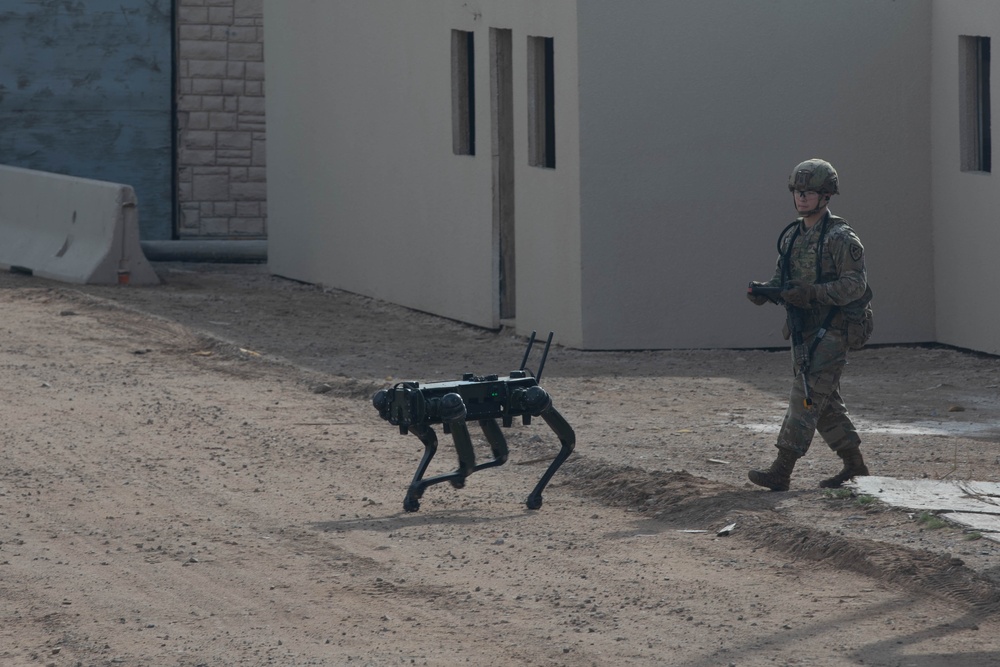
(193, 474)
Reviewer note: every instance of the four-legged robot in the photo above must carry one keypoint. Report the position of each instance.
(415, 407)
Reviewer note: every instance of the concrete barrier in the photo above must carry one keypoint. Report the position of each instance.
(71, 229)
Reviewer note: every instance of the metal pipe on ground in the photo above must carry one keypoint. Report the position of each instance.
(196, 250)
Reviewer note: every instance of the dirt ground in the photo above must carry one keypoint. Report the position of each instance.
(193, 474)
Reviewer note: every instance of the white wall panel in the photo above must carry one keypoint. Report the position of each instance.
(365, 193)
(966, 222)
(693, 114)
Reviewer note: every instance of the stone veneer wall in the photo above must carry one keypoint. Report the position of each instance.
(221, 163)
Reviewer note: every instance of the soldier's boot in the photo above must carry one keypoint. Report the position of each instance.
(779, 475)
(854, 466)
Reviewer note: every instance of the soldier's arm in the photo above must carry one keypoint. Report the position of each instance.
(775, 280)
(852, 278)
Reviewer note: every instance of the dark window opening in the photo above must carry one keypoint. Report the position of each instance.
(974, 103)
(541, 102)
(463, 93)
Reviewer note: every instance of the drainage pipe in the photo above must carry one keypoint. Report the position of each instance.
(197, 250)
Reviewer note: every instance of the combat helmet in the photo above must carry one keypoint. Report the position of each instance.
(815, 175)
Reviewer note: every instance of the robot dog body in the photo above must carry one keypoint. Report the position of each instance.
(485, 399)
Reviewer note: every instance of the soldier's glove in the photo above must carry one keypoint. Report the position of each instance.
(757, 299)
(800, 297)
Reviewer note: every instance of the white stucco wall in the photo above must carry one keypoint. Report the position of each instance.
(364, 192)
(692, 116)
(966, 226)
(677, 125)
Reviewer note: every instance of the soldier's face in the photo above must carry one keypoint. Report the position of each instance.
(805, 200)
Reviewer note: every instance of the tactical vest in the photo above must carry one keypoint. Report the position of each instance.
(858, 316)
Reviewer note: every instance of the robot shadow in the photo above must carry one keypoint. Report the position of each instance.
(401, 520)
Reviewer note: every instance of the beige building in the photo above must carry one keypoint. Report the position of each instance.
(616, 171)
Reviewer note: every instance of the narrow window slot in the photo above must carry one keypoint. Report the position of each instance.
(463, 92)
(541, 102)
(974, 103)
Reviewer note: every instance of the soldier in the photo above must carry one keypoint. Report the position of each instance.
(821, 267)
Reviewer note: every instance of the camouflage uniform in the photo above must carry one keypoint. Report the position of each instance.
(841, 279)
(822, 281)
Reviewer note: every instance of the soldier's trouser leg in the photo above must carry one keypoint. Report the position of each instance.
(837, 429)
(798, 428)
(835, 425)
(827, 413)
(793, 442)
(801, 422)
(794, 438)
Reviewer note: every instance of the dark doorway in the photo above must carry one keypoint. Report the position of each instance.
(502, 114)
